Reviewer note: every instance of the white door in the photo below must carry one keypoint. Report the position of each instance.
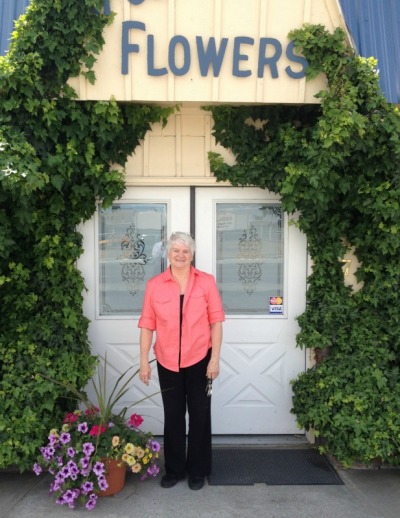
(259, 262)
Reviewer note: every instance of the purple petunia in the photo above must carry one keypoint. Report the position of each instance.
(91, 503)
(65, 438)
(69, 498)
(103, 484)
(37, 468)
(71, 452)
(53, 439)
(83, 427)
(153, 470)
(47, 452)
(64, 471)
(98, 468)
(86, 488)
(155, 446)
(88, 448)
(84, 462)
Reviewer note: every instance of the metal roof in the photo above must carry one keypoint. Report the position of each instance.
(10, 10)
(373, 24)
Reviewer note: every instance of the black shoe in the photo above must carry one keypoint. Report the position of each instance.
(196, 482)
(170, 480)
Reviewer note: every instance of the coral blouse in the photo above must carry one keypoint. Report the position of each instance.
(202, 306)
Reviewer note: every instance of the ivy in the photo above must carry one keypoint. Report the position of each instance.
(55, 156)
(337, 164)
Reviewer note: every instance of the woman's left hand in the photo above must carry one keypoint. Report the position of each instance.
(212, 369)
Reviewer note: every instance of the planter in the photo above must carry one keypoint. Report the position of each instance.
(115, 476)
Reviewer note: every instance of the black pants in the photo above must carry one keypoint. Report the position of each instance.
(186, 390)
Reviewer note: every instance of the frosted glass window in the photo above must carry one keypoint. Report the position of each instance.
(131, 250)
(250, 257)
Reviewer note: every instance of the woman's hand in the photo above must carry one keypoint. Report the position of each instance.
(146, 338)
(212, 369)
(145, 372)
(216, 340)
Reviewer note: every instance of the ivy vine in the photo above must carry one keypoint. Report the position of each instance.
(337, 163)
(55, 156)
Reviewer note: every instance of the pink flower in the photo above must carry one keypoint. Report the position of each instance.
(135, 420)
(92, 410)
(70, 417)
(97, 430)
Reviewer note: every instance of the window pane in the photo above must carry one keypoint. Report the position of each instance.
(131, 238)
(250, 257)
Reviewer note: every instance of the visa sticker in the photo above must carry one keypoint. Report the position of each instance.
(276, 305)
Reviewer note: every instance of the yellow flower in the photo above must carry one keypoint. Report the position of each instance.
(145, 460)
(65, 427)
(139, 452)
(126, 457)
(136, 468)
(131, 460)
(129, 448)
(54, 432)
(115, 441)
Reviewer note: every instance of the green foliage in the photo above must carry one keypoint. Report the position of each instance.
(55, 156)
(336, 163)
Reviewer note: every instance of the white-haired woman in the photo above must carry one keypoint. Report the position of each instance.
(183, 306)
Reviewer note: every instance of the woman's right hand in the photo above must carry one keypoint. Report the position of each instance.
(146, 338)
(145, 372)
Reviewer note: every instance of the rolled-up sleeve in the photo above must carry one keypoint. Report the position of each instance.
(215, 309)
(148, 317)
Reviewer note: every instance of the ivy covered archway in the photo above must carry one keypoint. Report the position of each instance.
(55, 162)
(336, 163)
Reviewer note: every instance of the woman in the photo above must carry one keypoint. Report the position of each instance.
(183, 306)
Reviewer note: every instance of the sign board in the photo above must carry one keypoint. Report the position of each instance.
(206, 51)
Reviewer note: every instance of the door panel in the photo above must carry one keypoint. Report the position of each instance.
(259, 355)
(121, 252)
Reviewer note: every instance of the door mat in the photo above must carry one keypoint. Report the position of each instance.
(248, 466)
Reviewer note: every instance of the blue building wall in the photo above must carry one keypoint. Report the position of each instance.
(373, 24)
(375, 28)
(10, 10)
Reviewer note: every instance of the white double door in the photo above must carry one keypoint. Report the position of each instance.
(259, 261)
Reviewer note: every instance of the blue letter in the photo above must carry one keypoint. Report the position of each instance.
(272, 61)
(240, 57)
(211, 56)
(150, 59)
(126, 46)
(186, 55)
(297, 59)
(136, 2)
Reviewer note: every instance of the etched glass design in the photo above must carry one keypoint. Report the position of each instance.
(131, 241)
(250, 256)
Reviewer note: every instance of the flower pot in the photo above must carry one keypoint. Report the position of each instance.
(115, 476)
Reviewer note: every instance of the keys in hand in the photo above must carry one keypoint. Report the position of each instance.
(209, 387)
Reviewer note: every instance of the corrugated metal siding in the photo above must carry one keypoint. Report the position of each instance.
(375, 27)
(10, 10)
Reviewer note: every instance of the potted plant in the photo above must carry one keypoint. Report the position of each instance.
(94, 445)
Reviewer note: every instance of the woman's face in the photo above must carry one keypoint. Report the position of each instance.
(180, 255)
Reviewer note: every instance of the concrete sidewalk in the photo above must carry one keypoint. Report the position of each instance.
(365, 494)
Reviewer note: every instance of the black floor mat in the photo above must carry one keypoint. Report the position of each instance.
(248, 466)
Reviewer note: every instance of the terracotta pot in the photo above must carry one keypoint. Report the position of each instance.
(115, 476)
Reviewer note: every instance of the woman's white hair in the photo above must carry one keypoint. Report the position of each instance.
(181, 237)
